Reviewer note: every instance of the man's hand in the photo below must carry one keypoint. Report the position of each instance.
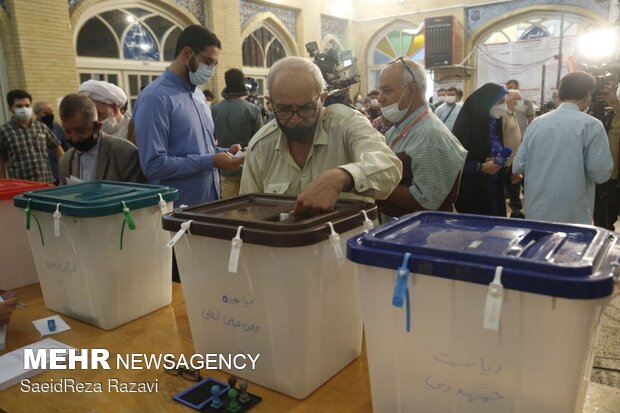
(516, 178)
(322, 194)
(490, 168)
(6, 309)
(226, 161)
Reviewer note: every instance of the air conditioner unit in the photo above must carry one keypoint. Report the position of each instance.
(444, 41)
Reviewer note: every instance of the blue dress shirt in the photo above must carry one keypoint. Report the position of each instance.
(564, 154)
(174, 133)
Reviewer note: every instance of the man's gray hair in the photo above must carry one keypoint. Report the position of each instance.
(299, 64)
(38, 106)
(78, 104)
(419, 76)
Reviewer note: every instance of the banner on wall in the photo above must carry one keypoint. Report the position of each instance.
(524, 60)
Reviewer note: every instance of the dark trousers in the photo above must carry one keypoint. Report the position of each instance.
(514, 193)
(607, 204)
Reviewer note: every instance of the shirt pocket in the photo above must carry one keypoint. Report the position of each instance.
(277, 188)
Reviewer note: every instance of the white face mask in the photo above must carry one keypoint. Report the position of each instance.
(392, 113)
(202, 75)
(110, 125)
(618, 93)
(23, 113)
(441, 99)
(497, 110)
(450, 99)
(374, 102)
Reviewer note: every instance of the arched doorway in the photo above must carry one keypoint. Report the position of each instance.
(519, 47)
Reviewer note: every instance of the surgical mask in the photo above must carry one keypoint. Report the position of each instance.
(202, 75)
(450, 99)
(618, 93)
(23, 113)
(441, 99)
(110, 125)
(299, 133)
(48, 120)
(374, 102)
(497, 111)
(84, 145)
(392, 113)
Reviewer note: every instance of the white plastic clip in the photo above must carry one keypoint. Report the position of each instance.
(493, 305)
(162, 205)
(368, 224)
(184, 228)
(334, 238)
(57, 215)
(235, 251)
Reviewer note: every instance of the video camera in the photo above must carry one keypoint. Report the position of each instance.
(339, 69)
(251, 85)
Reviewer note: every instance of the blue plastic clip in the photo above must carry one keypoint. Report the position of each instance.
(401, 289)
(402, 277)
(51, 325)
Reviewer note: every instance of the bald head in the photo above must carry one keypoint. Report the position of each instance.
(294, 71)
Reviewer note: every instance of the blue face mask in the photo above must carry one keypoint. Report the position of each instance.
(202, 75)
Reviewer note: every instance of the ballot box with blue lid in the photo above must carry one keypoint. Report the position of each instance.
(99, 249)
(257, 280)
(18, 267)
(466, 313)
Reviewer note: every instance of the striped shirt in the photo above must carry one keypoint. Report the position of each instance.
(437, 157)
(24, 150)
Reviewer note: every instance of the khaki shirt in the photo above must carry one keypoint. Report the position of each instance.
(614, 144)
(511, 133)
(343, 139)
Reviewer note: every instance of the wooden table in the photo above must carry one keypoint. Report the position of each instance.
(167, 331)
(163, 331)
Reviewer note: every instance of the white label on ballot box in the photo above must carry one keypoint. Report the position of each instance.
(235, 251)
(495, 298)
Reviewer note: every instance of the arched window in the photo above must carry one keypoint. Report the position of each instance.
(396, 41)
(140, 40)
(262, 49)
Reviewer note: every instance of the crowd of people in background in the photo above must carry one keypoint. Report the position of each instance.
(392, 147)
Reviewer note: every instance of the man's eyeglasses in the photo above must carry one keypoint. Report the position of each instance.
(304, 112)
(402, 60)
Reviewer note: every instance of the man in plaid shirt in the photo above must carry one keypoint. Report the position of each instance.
(24, 142)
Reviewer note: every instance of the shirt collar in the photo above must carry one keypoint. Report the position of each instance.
(569, 106)
(177, 80)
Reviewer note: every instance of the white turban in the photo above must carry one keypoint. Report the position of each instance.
(103, 92)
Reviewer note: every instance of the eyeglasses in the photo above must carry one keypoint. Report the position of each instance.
(402, 60)
(305, 112)
(193, 375)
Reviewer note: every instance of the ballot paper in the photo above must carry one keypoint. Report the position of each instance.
(12, 369)
(73, 180)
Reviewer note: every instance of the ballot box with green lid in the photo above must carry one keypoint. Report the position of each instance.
(257, 280)
(475, 314)
(17, 268)
(99, 249)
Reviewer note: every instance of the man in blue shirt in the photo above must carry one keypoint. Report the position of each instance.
(174, 127)
(563, 155)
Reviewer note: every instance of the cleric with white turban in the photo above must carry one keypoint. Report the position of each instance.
(109, 100)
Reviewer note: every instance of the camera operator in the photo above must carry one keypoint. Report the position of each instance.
(236, 121)
(607, 206)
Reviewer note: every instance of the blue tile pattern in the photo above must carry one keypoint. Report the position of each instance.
(249, 9)
(480, 15)
(336, 27)
(195, 7)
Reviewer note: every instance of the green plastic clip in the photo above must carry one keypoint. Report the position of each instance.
(128, 217)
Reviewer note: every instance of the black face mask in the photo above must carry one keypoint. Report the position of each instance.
(299, 133)
(84, 145)
(48, 120)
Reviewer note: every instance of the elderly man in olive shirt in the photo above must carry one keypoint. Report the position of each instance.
(317, 153)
